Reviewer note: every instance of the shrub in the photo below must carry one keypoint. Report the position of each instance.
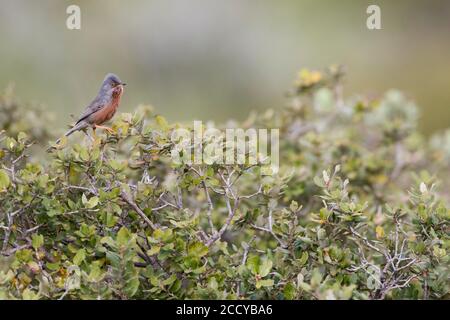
(355, 212)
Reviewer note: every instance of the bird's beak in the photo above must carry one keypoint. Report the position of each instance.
(123, 83)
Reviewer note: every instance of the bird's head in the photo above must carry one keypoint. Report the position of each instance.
(112, 81)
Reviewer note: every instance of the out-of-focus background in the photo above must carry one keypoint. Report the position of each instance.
(204, 59)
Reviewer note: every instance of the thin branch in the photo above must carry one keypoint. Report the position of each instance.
(210, 207)
(253, 194)
(135, 207)
(231, 213)
(367, 242)
(270, 230)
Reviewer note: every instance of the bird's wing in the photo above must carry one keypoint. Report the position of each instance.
(93, 107)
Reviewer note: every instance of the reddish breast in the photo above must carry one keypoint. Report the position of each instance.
(108, 111)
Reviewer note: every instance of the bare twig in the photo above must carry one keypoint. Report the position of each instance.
(270, 230)
(391, 275)
(135, 207)
(210, 207)
(231, 210)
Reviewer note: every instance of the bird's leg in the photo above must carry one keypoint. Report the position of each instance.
(93, 133)
(111, 131)
(89, 136)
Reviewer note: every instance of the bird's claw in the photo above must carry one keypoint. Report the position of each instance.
(111, 131)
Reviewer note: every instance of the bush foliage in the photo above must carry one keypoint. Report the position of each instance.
(356, 210)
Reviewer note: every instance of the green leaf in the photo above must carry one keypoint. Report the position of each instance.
(34, 266)
(92, 203)
(293, 206)
(123, 236)
(10, 143)
(24, 255)
(84, 155)
(74, 280)
(154, 250)
(79, 257)
(117, 165)
(52, 266)
(169, 280)
(163, 235)
(265, 267)
(132, 286)
(37, 240)
(197, 249)
(253, 264)
(96, 273)
(84, 200)
(258, 266)
(304, 258)
(110, 219)
(113, 258)
(319, 182)
(264, 283)
(21, 137)
(289, 291)
(316, 278)
(212, 283)
(4, 180)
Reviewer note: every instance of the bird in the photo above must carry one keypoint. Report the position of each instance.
(102, 108)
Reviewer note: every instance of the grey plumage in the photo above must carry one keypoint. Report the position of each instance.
(103, 98)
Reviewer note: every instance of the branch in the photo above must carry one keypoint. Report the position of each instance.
(231, 213)
(135, 207)
(231, 210)
(367, 242)
(270, 231)
(210, 207)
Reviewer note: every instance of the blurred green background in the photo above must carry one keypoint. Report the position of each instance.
(219, 59)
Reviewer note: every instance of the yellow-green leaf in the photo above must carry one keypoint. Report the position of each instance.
(37, 240)
(380, 232)
(79, 257)
(4, 180)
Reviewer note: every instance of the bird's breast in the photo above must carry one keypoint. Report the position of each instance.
(108, 111)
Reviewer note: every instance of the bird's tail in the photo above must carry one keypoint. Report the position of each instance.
(76, 127)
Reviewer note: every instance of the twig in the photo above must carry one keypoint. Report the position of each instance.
(141, 213)
(366, 241)
(231, 210)
(270, 226)
(210, 207)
